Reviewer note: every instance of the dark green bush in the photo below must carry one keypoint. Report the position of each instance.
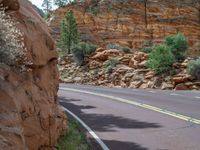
(78, 54)
(147, 49)
(178, 45)
(80, 50)
(126, 50)
(112, 62)
(161, 59)
(194, 68)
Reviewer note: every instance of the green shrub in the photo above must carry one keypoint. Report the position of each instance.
(12, 49)
(148, 49)
(109, 70)
(113, 46)
(80, 50)
(194, 68)
(78, 54)
(178, 45)
(161, 59)
(126, 50)
(112, 62)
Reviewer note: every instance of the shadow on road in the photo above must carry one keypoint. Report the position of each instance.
(101, 122)
(107, 123)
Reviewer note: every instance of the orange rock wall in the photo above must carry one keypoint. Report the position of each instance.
(125, 21)
(30, 117)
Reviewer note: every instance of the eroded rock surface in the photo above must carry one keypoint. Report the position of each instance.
(133, 23)
(30, 117)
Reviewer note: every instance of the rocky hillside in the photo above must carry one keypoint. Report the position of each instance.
(114, 68)
(133, 23)
(30, 117)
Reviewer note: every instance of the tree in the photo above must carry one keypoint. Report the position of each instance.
(60, 3)
(47, 5)
(69, 32)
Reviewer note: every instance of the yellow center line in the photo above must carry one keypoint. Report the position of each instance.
(146, 106)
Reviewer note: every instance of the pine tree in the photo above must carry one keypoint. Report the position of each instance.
(60, 3)
(47, 5)
(69, 32)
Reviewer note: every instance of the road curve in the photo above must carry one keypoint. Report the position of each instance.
(123, 126)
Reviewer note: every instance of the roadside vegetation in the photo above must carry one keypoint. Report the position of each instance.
(12, 51)
(194, 68)
(70, 41)
(75, 139)
(162, 57)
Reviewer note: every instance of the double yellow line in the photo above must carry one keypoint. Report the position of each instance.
(146, 106)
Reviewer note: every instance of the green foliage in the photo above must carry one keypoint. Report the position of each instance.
(126, 50)
(161, 59)
(74, 139)
(60, 3)
(12, 48)
(69, 33)
(112, 62)
(118, 47)
(113, 46)
(80, 50)
(148, 49)
(78, 54)
(94, 7)
(178, 45)
(194, 68)
(47, 5)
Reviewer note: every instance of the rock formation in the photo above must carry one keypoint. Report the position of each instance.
(133, 23)
(30, 117)
(130, 72)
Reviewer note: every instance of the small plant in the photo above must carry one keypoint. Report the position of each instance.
(78, 54)
(113, 46)
(161, 59)
(88, 48)
(112, 62)
(126, 50)
(147, 49)
(12, 51)
(178, 45)
(194, 68)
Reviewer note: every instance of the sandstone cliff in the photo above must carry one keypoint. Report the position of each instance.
(133, 23)
(30, 117)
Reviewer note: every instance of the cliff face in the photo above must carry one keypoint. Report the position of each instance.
(30, 117)
(133, 23)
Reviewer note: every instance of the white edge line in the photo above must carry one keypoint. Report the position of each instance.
(101, 143)
(198, 97)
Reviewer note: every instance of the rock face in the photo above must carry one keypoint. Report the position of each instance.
(133, 23)
(30, 117)
(130, 72)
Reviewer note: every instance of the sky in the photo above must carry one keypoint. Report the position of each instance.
(38, 3)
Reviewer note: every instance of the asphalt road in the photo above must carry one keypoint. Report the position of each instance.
(148, 120)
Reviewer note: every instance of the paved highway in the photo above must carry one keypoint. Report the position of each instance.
(136, 119)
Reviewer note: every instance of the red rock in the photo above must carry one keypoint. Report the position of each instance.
(182, 86)
(30, 115)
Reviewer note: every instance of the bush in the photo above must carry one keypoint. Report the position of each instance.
(178, 45)
(194, 68)
(88, 48)
(78, 54)
(148, 49)
(126, 50)
(118, 47)
(80, 50)
(161, 59)
(112, 62)
(113, 46)
(12, 51)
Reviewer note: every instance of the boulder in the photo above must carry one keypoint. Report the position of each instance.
(30, 115)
